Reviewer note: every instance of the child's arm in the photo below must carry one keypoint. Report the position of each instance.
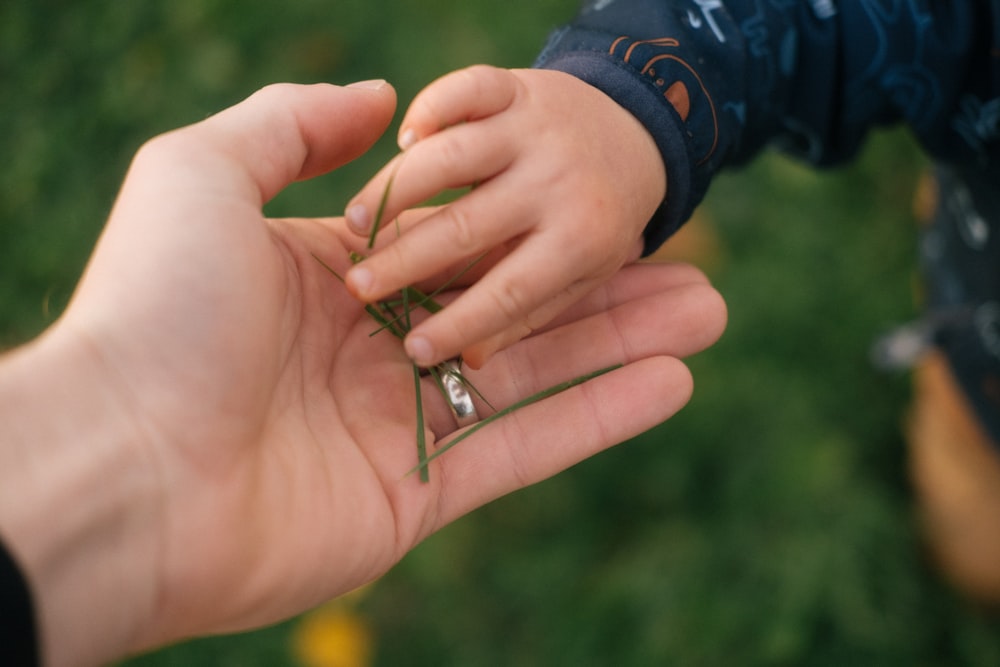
(563, 177)
(711, 84)
(716, 81)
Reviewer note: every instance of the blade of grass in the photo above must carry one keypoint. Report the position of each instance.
(382, 204)
(421, 435)
(386, 324)
(327, 267)
(427, 301)
(534, 398)
(435, 372)
(445, 285)
(369, 308)
(390, 318)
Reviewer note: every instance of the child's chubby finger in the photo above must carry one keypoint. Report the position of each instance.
(642, 312)
(675, 320)
(588, 297)
(464, 95)
(674, 307)
(480, 352)
(459, 232)
(460, 157)
(517, 286)
(635, 283)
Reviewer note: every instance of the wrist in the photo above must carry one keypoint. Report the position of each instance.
(659, 116)
(620, 148)
(77, 500)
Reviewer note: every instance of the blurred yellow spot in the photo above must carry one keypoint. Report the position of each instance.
(332, 636)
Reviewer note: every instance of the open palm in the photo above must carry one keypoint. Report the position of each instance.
(280, 432)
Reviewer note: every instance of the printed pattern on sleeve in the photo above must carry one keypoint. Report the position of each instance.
(715, 81)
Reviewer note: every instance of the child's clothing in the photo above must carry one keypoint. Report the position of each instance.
(960, 253)
(714, 81)
(18, 644)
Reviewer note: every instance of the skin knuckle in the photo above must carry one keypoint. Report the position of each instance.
(597, 249)
(395, 265)
(487, 81)
(479, 75)
(451, 155)
(424, 111)
(461, 232)
(520, 465)
(479, 70)
(510, 299)
(274, 91)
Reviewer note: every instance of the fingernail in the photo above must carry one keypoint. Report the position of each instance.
(419, 350)
(360, 279)
(371, 84)
(407, 139)
(358, 218)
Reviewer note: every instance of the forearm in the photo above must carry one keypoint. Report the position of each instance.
(75, 501)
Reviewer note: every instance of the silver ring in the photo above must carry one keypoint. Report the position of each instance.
(459, 399)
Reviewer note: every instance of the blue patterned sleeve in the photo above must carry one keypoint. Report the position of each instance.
(715, 81)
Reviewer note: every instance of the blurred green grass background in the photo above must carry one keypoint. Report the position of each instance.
(770, 523)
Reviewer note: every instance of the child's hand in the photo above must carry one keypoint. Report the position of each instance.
(565, 181)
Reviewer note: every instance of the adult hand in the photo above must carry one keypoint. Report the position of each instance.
(210, 440)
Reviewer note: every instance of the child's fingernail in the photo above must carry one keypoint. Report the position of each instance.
(358, 218)
(419, 350)
(407, 139)
(360, 279)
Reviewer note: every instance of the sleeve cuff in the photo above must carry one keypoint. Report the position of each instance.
(648, 105)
